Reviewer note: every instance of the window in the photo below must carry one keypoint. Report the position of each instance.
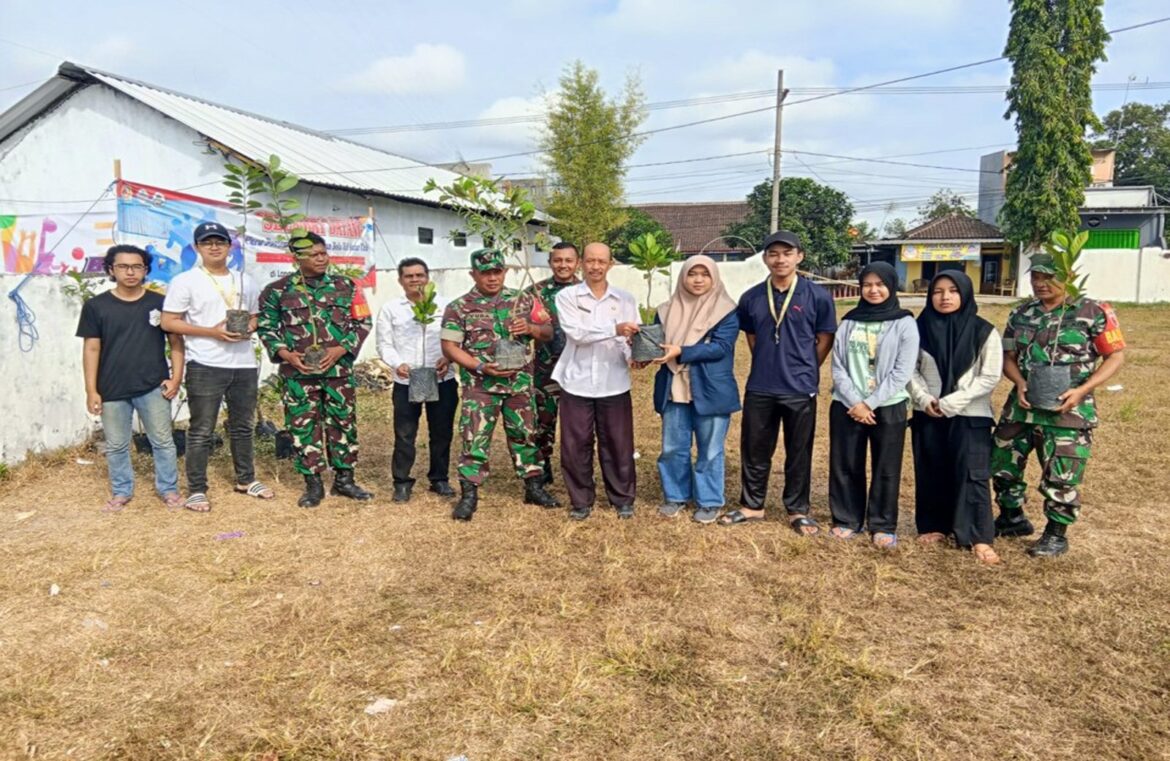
(426, 236)
(459, 240)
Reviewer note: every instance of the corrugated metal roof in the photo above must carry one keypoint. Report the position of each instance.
(315, 157)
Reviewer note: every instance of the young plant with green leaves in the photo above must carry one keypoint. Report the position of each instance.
(651, 258)
(1065, 248)
(425, 312)
(247, 183)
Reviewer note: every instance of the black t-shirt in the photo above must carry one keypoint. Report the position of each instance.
(133, 358)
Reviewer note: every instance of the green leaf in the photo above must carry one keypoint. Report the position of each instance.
(273, 163)
(286, 184)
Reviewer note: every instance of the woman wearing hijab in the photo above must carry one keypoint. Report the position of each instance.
(695, 389)
(874, 355)
(959, 365)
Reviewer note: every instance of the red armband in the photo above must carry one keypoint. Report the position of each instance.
(1111, 339)
(358, 308)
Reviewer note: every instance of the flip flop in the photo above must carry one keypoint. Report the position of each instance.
(931, 537)
(842, 533)
(172, 501)
(985, 554)
(799, 522)
(255, 489)
(115, 504)
(885, 541)
(198, 503)
(736, 517)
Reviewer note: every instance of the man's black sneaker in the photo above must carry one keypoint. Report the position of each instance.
(402, 492)
(625, 512)
(580, 513)
(1013, 525)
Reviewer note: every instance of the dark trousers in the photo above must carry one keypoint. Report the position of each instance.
(848, 441)
(207, 388)
(951, 469)
(440, 427)
(763, 415)
(612, 419)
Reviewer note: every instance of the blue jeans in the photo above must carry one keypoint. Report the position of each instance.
(155, 414)
(701, 482)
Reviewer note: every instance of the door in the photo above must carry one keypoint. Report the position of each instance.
(989, 275)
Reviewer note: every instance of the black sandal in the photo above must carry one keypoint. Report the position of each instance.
(800, 522)
(735, 517)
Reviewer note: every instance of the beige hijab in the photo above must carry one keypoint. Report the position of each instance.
(686, 318)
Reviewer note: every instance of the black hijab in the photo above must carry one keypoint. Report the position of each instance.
(888, 309)
(954, 340)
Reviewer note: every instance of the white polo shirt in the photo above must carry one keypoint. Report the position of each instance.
(595, 362)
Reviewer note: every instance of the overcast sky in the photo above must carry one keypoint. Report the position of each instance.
(377, 64)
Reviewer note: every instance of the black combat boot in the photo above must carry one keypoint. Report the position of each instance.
(1052, 542)
(548, 474)
(343, 486)
(468, 501)
(1013, 522)
(534, 493)
(314, 492)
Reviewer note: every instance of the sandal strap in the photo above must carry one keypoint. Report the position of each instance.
(257, 489)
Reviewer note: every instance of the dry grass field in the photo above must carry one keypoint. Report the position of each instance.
(524, 636)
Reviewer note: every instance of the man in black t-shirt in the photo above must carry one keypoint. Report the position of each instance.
(125, 365)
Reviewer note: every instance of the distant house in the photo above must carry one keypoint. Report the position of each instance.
(953, 242)
(697, 227)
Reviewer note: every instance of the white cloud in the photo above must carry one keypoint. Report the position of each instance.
(428, 69)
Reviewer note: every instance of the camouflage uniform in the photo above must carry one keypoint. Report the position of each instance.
(545, 390)
(319, 409)
(1062, 441)
(476, 322)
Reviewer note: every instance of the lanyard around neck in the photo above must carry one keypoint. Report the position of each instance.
(779, 318)
(230, 299)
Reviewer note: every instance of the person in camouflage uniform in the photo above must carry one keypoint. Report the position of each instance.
(472, 324)
(563, 260)
(313, 307)
(1051, 329)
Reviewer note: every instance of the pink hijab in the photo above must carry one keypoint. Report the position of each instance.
(686, 318)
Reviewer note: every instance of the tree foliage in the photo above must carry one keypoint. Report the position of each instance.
(817, 213)
(944, 203)
(895, 228)
(588, 139)
(1054, 48)
(637, 224)
(1140, 133)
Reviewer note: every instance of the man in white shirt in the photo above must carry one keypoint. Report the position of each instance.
(221, 365)
(594, 375)
(401, 345)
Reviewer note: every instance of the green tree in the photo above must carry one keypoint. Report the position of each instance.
(943, 203)
(637, 224)
(895, 228)
(587, 140)
(862, 231)
(1140, 133)
(817, 213)
(1054, 48)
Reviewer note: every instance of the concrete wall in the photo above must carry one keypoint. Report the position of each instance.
(1141, 276)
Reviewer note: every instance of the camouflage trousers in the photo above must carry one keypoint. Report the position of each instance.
(547, 395)
(1063, 454)
(477, 421)
(322, 418)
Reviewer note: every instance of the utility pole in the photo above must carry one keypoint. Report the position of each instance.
(781, 94)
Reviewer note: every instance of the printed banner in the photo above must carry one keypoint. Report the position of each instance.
(162, 222)
(940, 252)
(53, 244)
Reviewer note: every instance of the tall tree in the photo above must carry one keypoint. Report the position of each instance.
(1140, 133)
(895, 228)
(587, 140)
(943, 203)
(1054, 47)
(817, 213)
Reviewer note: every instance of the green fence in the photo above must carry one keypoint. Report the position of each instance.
(1114, 239)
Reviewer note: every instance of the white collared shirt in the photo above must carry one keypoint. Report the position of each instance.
(595, 362)
(400, 337)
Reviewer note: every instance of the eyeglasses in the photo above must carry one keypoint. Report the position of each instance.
(129, 267)
(213, 243)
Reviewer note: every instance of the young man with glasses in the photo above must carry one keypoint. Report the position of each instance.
(221, 365)
(125, 365)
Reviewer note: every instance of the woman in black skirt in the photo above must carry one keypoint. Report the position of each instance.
(960, 363)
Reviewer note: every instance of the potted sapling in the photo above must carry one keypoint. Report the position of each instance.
(424, 379)
(1048, 381)
(649, 257)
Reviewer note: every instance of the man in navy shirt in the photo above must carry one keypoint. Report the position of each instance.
(789, 322)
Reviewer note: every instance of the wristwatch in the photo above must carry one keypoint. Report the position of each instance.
(479, 369)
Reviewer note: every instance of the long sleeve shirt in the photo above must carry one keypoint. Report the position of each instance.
(596, 361)
(400, 337)
(297, 313)
(973, 389)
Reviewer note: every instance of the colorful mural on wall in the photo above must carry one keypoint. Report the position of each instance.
(53, 244)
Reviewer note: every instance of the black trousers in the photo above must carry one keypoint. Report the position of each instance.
(763, 415)
(207, 388)
(612, 419)
(951, 469)
(440, 425)
(848, 440)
